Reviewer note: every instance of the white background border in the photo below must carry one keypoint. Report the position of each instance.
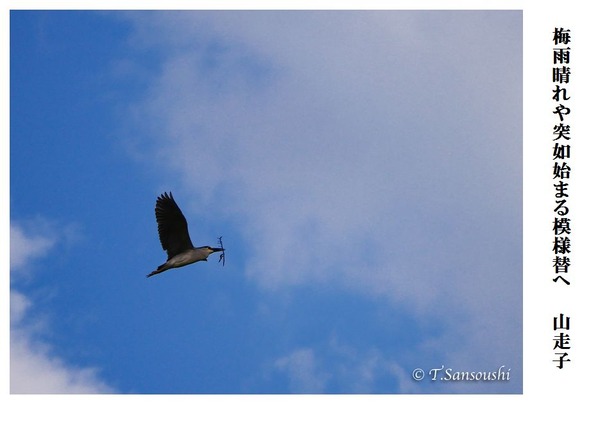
(552, 398)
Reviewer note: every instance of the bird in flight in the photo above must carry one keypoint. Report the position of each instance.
(175, 238)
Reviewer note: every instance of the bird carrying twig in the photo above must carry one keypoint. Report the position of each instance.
(175, 238)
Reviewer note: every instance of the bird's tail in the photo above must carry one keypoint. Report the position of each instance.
(158, 270)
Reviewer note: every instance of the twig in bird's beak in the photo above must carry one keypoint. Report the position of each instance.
(222, 256)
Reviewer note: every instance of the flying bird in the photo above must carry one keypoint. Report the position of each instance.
(175, 238)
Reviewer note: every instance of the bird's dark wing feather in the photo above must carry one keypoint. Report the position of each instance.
(172, 226)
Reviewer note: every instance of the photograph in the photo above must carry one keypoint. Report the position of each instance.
(362, 170)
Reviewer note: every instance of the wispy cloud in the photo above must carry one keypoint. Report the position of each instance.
(34, 368)
(303, 371)
(371, 152)
(342, 368)
(24, 248)
(339, 142)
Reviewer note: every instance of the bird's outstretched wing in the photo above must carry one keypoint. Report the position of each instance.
(172, 226)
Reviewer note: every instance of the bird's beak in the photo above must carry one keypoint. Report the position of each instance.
(216, 250)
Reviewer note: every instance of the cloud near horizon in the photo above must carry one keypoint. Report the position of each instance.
(341, 368)
(34, 368)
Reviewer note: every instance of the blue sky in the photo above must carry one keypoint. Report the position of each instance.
(363, 168)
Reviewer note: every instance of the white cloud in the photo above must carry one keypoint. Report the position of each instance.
(25, 248)
(34, 369)
(341, 368)
(345, 141)
(360, 370)
(301, 368)
(374, 152)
